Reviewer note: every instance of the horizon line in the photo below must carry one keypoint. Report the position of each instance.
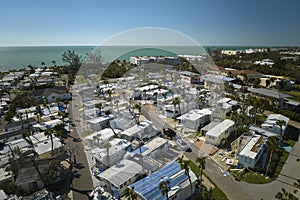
(94, 45)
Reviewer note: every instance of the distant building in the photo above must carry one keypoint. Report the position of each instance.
(267, 62)
(273, 95)
(140, 60)
(220, 132)
(226, 104)
(51, 94)
(230, 52)
(190, 77)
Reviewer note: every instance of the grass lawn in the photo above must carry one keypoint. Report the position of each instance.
(86, 133)
(251, 177)
(295, 95)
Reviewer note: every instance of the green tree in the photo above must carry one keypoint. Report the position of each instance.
(107, 146)
(207, 194)
(130, 194)
(281, 123)
(184, 164)
(176, 102)
(285, 195)
(272, 145)
(38, 112)
(201, 164)
(99, 106)
(138, 107)
(49, 133)
(164, 188)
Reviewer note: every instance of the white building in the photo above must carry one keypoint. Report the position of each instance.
(226, 104)
(120, 175)
(217, 134)
(271, 123)
(252, 151)
(195, 118)
(99, 123)
(230, 52)
(142, 130)
(155, 147)
(97, 139)
(42, 145)
(111, 154)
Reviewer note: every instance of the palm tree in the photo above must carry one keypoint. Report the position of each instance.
(49, 133)
(281, 123)
(109, 92)
(26, 136)
(53, 62)
(164, 96)
(201, 162)
(285, 195)
(117, 104)
(43, 63)
(99, 106)
(164, 188)
(272, 144)
(176, 102)
(207, 194)
(130, 194)
(107, 145)
(139, 108)
(172, 93)
(38, 113)
(184, 164)
(20, 117)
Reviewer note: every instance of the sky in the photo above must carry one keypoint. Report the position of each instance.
(209, 22)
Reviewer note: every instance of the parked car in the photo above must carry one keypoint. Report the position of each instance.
(169, 133)
(183, 145)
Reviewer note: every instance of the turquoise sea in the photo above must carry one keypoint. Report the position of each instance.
(21, 57)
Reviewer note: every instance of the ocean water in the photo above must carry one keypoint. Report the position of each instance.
(21, 57)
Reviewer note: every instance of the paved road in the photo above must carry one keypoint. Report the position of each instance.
(82, 183)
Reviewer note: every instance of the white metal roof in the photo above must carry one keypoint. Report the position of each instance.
(154, 144)
(121, 172)
(220, 128)
(252, 148)
(104, 134)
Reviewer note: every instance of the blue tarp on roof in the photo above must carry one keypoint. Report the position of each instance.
(148, 187)
(137, 151)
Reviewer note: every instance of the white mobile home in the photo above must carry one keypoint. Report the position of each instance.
(271, 123)
(217, 134)
(252, 151)
(97, 139)
(195, 118)
(120, 175)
